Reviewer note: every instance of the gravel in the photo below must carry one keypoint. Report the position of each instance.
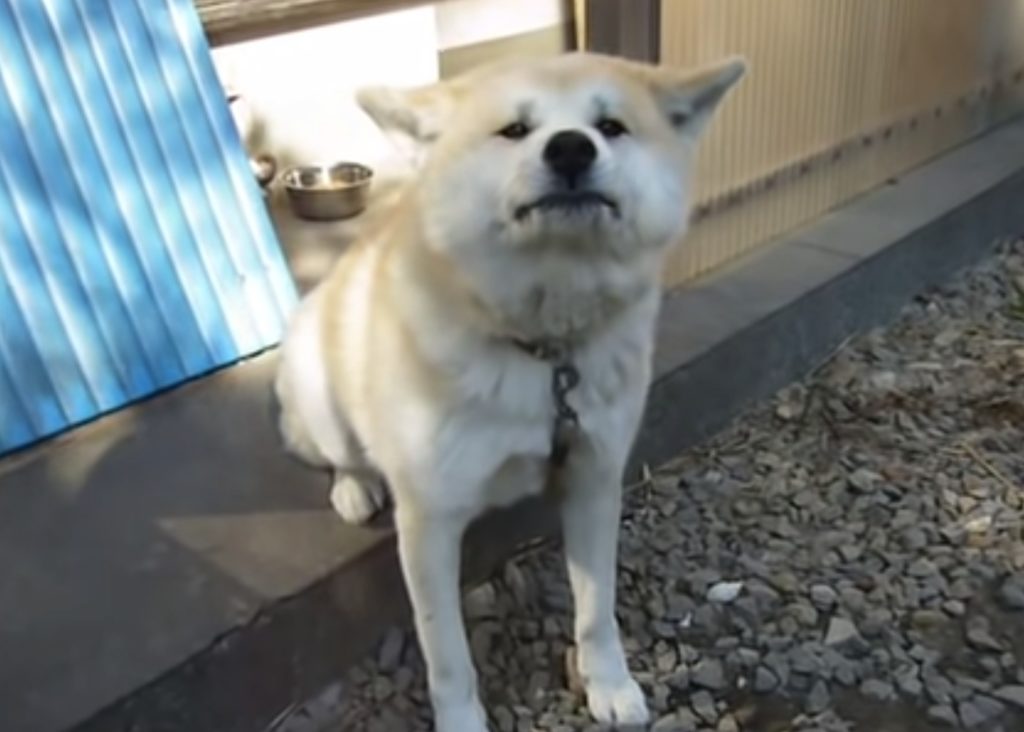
(868, 524)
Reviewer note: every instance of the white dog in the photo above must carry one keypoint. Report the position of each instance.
(493, 338)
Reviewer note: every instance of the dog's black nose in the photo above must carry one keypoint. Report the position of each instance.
(570, 154)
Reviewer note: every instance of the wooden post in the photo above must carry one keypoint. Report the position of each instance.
(629, 28)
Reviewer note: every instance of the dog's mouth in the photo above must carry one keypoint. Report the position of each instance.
(568, 202)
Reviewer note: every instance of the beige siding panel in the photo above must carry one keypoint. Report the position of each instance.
(843, 95)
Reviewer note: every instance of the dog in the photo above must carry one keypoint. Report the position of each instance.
(493, 338)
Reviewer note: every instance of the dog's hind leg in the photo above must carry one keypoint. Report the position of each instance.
(358, 490)
(315, 430)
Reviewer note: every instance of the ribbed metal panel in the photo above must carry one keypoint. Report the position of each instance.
(135, 250)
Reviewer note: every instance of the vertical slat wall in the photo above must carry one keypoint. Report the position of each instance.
(135, 251)
(842, 96)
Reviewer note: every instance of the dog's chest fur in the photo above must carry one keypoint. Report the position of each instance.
(501, 426)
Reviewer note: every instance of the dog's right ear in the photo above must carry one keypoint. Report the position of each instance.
(417, 115)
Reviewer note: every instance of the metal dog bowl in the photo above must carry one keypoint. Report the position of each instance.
(328, 192)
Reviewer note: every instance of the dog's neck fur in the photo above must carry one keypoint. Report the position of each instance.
(568, 300)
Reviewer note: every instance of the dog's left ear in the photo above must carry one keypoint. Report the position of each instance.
(689, 98)
(416, 115)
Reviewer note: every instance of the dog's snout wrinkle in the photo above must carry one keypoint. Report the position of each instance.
(570, 154)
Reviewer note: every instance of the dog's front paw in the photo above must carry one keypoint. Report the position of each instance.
(358, 499)
(613, 696)
(461, 717)
(621, 704)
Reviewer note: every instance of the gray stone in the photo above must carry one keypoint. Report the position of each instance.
(666, 660)
(521, 587)
(908, 682)
(845, 674)
(863, 480)
(683, 721)
(765, 680)
(943, 714)
(852, 599)
(877, 689)
(823, 596)
(709, 674)
(800, 683)
(727, 723)
(851, 552)
(1011, 592)
(914, 539)
(801, 660)
(687, 720)
(840, 632)
(1011, 694)
(778, 664)
(481, 639)
(979, 711)
(819, 699)
(923, 654)
(664, 630)
(480, 602)
(875, 623)
(746, 658)
(707, 619)
(383, 688)
(785, 582)
(974, 683)
(961, 589)
(404, 678)
(703, 705)
(679, 679)
(700, 580)
(504, 719)
(926, 620)
(390, 653)
(804, 614)
(920, 568)
(955, 608)
(937, 686)
(659, 697)
(979, 635)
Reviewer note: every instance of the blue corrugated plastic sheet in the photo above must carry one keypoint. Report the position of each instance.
(135, 249)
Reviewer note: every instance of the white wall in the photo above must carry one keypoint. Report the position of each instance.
(297, 87)
(465, 22)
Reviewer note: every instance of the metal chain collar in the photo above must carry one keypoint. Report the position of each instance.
(564, 378)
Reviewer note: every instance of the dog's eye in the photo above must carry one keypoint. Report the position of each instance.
(514, 131)
(611, 127)
(679, 119)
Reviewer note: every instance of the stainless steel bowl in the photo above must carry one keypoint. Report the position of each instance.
(328, 192)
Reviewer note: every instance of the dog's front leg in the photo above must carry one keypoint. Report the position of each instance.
(429, 549)
(590, 526)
